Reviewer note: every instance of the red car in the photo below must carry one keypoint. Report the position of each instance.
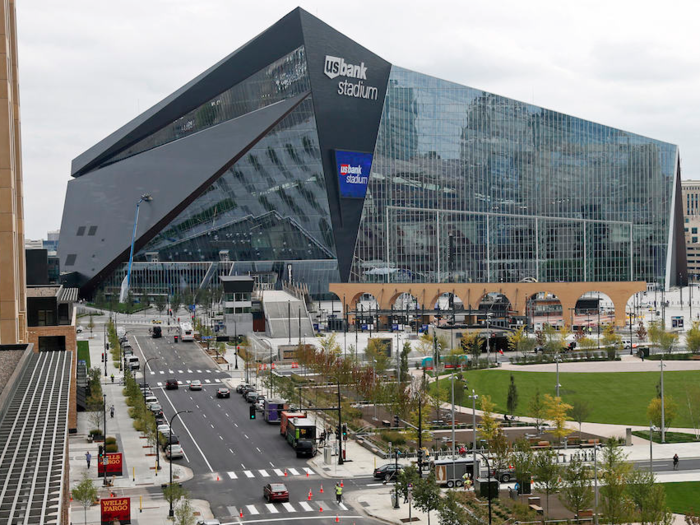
(276, 492)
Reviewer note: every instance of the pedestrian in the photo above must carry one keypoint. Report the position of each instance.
(88, 457)
(111, 411)
(338, 493)
(112, 376)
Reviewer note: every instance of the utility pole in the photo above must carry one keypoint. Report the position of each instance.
(663, 414)
(420, 436)
(340, 429)
(473, 398)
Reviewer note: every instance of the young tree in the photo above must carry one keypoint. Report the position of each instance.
(329, 344)
(471, 344)
(85, 493)
(692, 394)
(519, 341)
(537, 409)
(670, 411)
(425, 344)
(576, 493)
(580, 410)
(547, 474)
(160, 303)
(184, 512)
(512, 402)
(615, 471)
(648, 499)
(426, 494)
(405, 478)
(587, 344)
(641, 331)
(405, 351)
(662, 338)
(173, 493)
(523, 460)
(451, 511)
(489, 426)
(692, 338)
(556, 411)
(612, 342)
(376, 357)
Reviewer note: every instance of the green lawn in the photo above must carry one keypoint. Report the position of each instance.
(683, 497)
(671, 437)
(617, 398)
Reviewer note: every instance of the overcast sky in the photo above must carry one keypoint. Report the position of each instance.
(87, 67)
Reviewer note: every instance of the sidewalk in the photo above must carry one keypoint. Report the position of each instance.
(139, 472)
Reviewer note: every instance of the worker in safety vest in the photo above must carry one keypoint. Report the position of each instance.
(338, 492)
(467, 481)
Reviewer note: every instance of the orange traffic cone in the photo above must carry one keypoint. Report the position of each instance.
(341, 483)
(217, 478)
(310, 494)
(240, 513)
(307, 473)
(320, 508)
(321, 491)
(337, 519)
(285, 473)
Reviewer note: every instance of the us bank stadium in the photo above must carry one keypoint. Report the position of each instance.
(304, 157)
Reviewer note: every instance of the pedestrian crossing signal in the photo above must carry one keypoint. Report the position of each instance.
(252, 412)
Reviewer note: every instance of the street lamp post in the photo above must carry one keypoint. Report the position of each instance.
(651, 452)
(104, 345)
(171, 514)
(146, 197)
(557, 359)
(488, 476)
(144, 369)
(595, 477)
(104, 437)
(663, 411)
(473, 398)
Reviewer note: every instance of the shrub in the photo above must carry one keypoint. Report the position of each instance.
(96, 432)
(393, 436)
(110, 440)
(112, 448)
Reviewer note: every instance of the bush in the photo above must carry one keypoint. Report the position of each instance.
(95, 432)
(393, 436)
(110, 440)
(112, 448)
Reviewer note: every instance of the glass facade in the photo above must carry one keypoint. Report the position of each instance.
(467, 186)
(267, 212)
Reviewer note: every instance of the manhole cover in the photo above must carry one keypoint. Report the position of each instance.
(327, 469)
(406, 520)
(364, 503)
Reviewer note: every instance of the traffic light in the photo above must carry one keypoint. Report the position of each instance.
(252, 412)
(420, 455)
(345, 431)
(396, 420)
(337, 433)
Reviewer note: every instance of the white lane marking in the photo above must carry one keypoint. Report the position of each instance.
(217, 380)
(220, 405)
(232, 475)
(180, 372)
(189, 371)
(271, 508)
(246, 436)
(188, 381)
(308, 470)
(305, 506)
(221, 438)
(208, 371)
(264, 473)
(207, 381)
(242, 466)
(159, 383)
(199, 371)
(152, 372)
(179, 382)
(212, 426)
(252, 510)
(236, 424)
(289, 507)
(248, 474)
(182, 421)
(293, 471)
(342, 506)
(162, 372)
(196, 405)
(279, 472)
(231, 451)
(203, 414)
(256, 448)
(170, 372)
(271, 464)
(226, 414)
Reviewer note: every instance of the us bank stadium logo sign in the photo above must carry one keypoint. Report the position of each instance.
(337, 67)
(353, 173)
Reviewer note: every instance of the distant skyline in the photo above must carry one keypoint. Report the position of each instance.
(87, 68)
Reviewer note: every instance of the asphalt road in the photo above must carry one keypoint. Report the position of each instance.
(233, 457)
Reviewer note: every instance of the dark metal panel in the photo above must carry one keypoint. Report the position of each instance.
(679, 268)
(273, 43)
(343, 122)
(174, 174)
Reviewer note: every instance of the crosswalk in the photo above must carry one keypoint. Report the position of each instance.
(188, 381)
(316, 506)
(267, 473)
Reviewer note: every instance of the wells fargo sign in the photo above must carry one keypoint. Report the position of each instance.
(115, 509)
(111, 464)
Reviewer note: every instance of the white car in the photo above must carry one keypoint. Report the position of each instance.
(260, 405)
(196, 385)
(163, 428)
(174, 451)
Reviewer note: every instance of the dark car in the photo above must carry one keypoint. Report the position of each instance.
(239, 388)
(171, 384)
(157, 332)
(246, 389)
(223, 392)
(387, 472)
(251, 397)
(172, 438)
(275, 492)
(160, 418)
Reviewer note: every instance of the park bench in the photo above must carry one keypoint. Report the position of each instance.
(386, 423)
(536, 508)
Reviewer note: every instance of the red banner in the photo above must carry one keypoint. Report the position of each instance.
(115, 509)
(112, 464)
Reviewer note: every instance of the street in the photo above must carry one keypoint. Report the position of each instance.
(232, 457)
